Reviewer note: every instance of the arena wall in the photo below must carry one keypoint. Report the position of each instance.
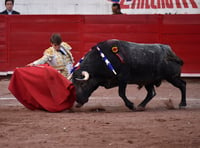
(23, 38)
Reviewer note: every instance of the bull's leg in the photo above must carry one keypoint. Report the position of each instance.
(122, 94)
(150, 94)
(179, 83)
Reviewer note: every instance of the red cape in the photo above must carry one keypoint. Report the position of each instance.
(42, 87)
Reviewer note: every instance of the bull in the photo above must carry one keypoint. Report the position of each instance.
(131, 63)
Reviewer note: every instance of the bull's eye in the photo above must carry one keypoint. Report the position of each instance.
(82, 84)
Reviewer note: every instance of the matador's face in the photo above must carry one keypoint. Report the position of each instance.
(55, 46)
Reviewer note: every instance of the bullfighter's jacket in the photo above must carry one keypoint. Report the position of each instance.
(62, 60)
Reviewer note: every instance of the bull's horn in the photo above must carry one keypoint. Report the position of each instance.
(86, 76)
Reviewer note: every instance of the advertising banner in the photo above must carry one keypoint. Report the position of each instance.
(159, 6)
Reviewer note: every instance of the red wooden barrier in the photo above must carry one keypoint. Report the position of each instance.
(23, 38)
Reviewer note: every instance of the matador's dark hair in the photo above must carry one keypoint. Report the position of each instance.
(56, 39)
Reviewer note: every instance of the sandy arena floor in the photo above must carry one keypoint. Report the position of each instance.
(105, 122)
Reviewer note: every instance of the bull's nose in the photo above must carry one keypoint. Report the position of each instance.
(78, 105)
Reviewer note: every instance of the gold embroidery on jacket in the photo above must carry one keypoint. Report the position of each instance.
(56, 59)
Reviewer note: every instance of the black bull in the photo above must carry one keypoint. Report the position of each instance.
(142, 64)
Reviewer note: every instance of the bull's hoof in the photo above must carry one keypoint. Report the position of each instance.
(131, 106)
(182, 105)
(78, 105)
(140, 108)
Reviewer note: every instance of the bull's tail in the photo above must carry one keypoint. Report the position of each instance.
(171, 56)
(176, 59)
